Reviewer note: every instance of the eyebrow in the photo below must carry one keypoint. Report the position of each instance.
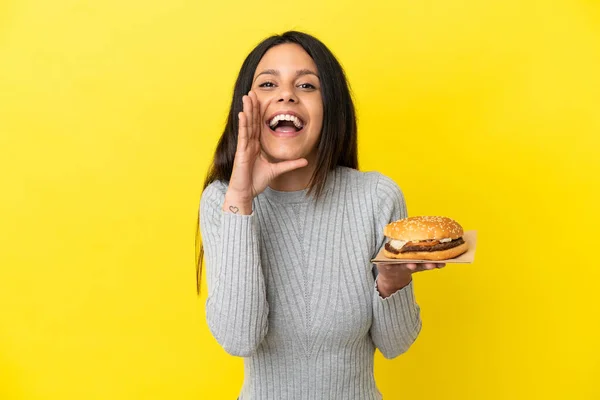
(300, 72)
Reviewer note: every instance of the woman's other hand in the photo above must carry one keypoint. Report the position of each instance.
(393, 277)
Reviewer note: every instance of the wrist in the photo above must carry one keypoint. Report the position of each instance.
(237, 203)
(387, 287)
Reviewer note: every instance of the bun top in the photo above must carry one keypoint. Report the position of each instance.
(423, 228)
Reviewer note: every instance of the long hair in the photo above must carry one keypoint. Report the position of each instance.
(337, 144)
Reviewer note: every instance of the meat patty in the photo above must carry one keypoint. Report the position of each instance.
(437, 247)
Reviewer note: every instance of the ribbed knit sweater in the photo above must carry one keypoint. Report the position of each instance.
(292, 290)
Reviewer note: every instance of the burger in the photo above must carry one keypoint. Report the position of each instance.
(424, 238)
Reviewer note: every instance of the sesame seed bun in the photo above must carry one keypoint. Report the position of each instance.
(423, 228)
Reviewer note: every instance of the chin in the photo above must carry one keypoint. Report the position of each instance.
(277, 152)
(283, 155)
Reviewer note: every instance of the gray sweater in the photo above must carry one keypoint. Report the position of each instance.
(292, 290)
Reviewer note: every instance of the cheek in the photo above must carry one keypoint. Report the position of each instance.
(317, 114)
(318, 121)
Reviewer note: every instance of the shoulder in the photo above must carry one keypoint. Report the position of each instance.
(374, 194)
(214, 194)
(371, 182)
(216, 187)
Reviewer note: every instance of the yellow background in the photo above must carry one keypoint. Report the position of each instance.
(485, 111)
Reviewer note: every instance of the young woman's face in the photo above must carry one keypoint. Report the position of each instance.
(287, 85)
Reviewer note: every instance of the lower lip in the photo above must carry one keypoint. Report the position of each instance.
(284, 134)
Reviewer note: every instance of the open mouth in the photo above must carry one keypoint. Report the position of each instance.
(286, 124)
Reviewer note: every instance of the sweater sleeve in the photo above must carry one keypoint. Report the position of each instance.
(236, 307)
(396, 319)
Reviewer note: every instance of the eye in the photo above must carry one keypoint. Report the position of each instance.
(267, 84)
(307, 86)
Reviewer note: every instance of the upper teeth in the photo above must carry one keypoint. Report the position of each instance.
(286, 117)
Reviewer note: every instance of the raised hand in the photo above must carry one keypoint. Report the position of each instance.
(252, 172)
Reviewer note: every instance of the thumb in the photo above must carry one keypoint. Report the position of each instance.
(287, 166)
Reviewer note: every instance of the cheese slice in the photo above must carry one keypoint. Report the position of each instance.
(397, 244)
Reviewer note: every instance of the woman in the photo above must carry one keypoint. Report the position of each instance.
(290, 226)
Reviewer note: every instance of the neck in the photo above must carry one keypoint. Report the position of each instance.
(297, 179)
(292, 181)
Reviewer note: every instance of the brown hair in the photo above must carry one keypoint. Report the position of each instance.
(337, 144)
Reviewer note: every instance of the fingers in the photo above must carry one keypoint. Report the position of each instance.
(410, 267)
(247, 120)
(242, 132)
(430, 266)
(249, 111)
(256, 117)
(413, 267)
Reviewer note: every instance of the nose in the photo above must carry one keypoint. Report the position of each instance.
(287, 95)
